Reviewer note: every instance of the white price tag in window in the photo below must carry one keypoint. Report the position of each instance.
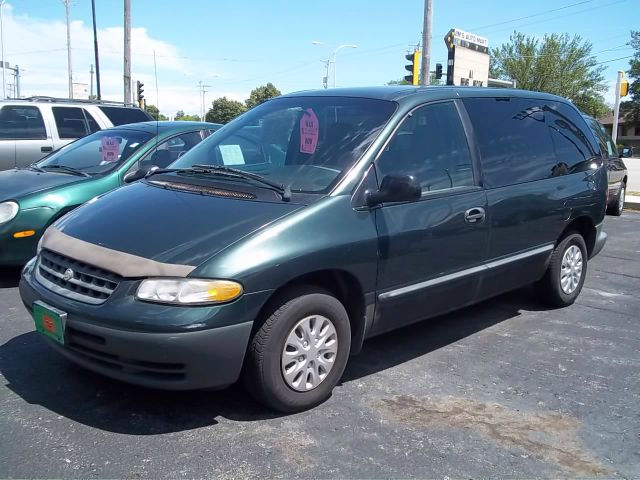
(231, 155)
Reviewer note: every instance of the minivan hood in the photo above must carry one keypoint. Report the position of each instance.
(15, 184)
(169, 226)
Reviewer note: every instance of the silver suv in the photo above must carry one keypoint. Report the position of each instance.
(32, 128)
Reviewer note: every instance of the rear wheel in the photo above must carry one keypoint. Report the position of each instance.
(299, 352)
(617, 208)
(566, 273)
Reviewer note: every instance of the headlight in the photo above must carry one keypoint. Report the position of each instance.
(8, 210)
(188, 291)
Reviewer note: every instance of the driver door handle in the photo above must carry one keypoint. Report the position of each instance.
(474, 215)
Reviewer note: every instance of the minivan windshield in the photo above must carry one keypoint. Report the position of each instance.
(97, 153)
(304, 143)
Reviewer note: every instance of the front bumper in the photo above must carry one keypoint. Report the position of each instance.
(17, 251)
(183, 359)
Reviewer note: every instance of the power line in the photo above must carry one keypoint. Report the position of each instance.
(614, 60)
(531, 16)
(557, 17)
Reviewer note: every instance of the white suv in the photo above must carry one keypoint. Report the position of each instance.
(33, 127)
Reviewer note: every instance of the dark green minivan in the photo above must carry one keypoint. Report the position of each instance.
(274, 248)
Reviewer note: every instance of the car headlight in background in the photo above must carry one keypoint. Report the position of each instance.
(8, 210)
(188, 291)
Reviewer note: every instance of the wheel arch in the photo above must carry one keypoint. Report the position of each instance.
(585, 226)
(342, 284)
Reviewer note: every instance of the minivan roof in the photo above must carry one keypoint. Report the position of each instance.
(411, 94)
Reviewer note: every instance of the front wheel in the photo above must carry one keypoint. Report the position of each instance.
(566, 273)
(299, 352)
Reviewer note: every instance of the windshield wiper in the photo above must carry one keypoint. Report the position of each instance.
(64, 168)
(283, 190)
(35, 167)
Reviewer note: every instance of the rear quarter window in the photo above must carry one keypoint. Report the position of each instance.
(523, 140)
(124, 115)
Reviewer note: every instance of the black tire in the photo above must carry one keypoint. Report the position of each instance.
(549, 287)
(618, 206)
(262, 375)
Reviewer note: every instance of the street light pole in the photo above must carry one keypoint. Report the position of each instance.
(616, 109)
(332, 60)
(333, 56)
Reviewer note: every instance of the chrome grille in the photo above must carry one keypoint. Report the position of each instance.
(74, 279)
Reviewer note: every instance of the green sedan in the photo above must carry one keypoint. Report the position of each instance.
(34, 197)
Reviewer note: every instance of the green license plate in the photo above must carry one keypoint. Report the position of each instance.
(49, 321)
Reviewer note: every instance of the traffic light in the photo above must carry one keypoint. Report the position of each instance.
(140, 90)
(438, 71)
(413, 67)
(624, 88)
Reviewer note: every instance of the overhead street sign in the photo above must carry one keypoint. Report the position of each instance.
(468, 59)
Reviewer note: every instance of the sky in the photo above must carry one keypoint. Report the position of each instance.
(234, 46)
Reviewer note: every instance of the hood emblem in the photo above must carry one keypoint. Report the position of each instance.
(68, 275)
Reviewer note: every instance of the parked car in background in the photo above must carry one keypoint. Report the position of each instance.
(616, 169)
(33, 197)
(313, 221)
(34, 127)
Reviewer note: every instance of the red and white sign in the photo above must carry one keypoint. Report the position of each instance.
(110, 149)
(309, 128)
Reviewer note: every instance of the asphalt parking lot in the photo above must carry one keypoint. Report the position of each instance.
(504, 388)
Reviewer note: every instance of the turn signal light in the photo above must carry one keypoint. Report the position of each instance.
(24, 233)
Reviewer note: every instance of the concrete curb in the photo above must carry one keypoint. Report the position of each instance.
(632, 201)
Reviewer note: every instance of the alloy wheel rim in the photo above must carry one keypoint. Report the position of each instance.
(571, 270)
(309, 353)
(621, 202)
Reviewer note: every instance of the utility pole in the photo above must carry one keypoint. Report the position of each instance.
(325, 80)
(67, 6)
(127, 51)
(17, 72)
(95, 49)
(202, 90)
(4, 85)
(426, 42)
(91, 83)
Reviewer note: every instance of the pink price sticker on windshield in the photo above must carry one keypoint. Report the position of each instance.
(110, 149)
(309, 127)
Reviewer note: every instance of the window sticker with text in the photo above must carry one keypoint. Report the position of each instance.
(309, 128)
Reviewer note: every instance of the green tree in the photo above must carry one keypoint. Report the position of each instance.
(223, 110)
(632, 106)
(402, 81)
(155, 113)
(261, 94)
(559, 64)
(182, 117)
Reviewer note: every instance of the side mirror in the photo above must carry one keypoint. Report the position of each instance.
(395, 188)
(138, 174)
(626, 152)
